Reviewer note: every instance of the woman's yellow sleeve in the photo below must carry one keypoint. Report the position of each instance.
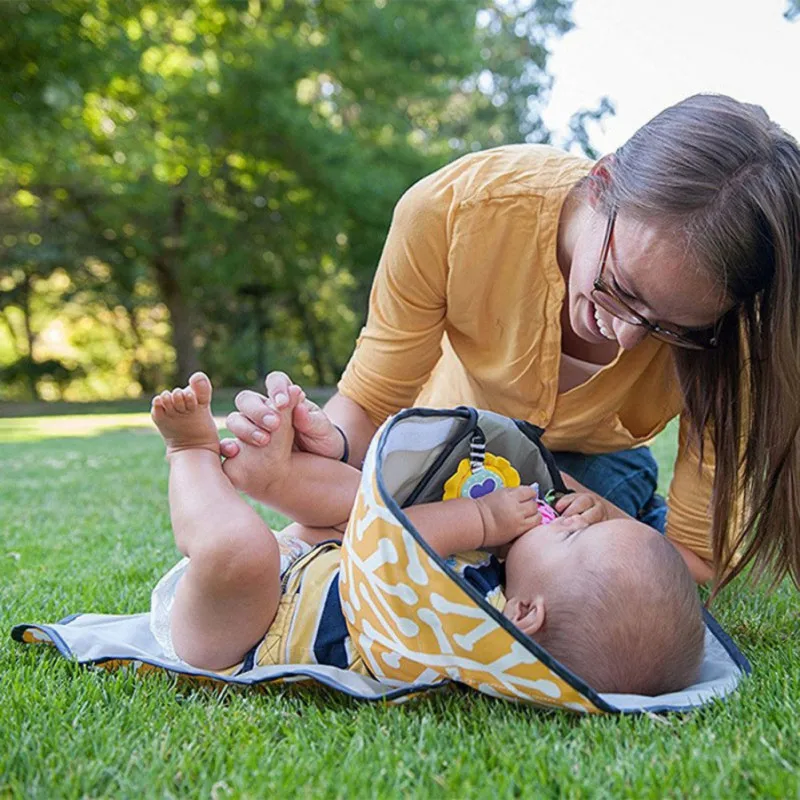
(401, 341)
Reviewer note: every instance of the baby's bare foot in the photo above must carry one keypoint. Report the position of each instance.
(259, 471)
(183, 417)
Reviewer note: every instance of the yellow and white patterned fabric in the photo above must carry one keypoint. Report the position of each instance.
(409, 615)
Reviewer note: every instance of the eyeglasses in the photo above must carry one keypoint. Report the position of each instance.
(608, 299)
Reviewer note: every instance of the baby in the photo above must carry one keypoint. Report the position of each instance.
(612, 601)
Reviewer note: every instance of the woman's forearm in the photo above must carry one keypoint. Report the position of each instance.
(700, 570)
(356, 424)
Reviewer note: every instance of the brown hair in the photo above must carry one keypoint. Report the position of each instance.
(632, 623)
(725, 178)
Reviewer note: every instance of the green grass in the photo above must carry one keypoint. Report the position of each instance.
(84, 527)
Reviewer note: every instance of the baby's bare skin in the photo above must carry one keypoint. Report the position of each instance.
(258, 471)
(230, 590)
(183, 417)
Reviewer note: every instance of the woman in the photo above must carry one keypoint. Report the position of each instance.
(598, 302)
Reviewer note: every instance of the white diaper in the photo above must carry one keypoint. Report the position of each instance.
(163, 596)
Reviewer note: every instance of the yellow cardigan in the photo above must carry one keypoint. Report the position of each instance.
(465, 309)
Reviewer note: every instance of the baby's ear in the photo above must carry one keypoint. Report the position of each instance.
(527, 615)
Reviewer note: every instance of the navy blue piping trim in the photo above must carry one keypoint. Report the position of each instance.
(473, 593)
(249, 660)
(534, 433)
(423, 484)
(66, 652)
(61, 646)
(730, 646)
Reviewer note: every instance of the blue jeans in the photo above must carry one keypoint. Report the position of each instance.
(627, 478)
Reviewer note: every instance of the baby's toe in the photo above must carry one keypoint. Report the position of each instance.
(166, 401)
(157, 408)
(201, 386)
(190, 400)
(178, 400)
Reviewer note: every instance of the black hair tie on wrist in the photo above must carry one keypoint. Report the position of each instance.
(346, 455)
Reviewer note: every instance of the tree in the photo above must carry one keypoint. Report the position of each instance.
(243, 158)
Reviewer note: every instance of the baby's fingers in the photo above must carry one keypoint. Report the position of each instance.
(570, 523)
(533, 519)
(595, 513)
(573, 504)
(522, 493)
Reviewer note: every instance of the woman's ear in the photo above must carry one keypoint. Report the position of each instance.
(527, 615)
(600, 179)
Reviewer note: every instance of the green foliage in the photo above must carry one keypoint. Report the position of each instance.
(236, 163)
(25, 373)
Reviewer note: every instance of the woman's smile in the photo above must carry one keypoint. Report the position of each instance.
(596, 326)
(601, 326)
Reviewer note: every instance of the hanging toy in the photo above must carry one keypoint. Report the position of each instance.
(481, 473)
(545, 505)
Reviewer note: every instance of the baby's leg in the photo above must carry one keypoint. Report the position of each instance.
(310, 489)
(228, 596)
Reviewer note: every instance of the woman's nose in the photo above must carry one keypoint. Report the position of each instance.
(628, 335)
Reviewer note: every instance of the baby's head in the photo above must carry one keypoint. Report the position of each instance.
(613, 602)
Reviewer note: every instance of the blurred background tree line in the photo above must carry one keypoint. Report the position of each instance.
(209, 182)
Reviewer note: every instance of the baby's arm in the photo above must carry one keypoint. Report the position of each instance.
(455, 526)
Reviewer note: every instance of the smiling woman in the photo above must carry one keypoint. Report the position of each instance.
(619, 302)
(721, 182)
(530, 282)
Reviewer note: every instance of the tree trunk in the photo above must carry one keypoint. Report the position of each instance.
(142, 373)
(171, 293)
(314, 345)
(181, 319)
(29, 335)
(262, 328)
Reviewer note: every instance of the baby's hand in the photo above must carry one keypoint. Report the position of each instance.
(507, 514)
(587, 506)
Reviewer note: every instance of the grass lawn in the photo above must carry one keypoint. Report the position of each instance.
(84, 527)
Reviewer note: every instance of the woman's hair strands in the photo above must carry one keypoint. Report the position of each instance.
(725, 178)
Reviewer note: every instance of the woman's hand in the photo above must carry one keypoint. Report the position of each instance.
(255, 419)
(589, 507)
